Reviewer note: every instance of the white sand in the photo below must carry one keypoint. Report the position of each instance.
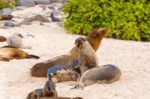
(133, 58)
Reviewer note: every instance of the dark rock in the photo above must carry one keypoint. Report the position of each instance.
(39, 18)
(56, 16)
(28, 3)
(42, 1)
(63, 1)
(11, 24)
(6, 11)
(55, 6)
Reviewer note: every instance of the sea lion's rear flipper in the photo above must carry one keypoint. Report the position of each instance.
(33, 56)
(40, 69)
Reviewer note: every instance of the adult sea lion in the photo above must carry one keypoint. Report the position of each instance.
(101, 74)
(87, 59)
(13, 53)
(94, 38)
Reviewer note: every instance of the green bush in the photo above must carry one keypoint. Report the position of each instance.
(127, 19)
(8, 3)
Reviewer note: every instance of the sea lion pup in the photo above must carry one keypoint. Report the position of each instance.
(103, 75)
(94, 38)
(15, 41)
(13, 53)
(2, 39)
(48, 91)
(87, 59)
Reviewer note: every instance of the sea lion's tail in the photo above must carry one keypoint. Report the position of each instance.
(33, 56)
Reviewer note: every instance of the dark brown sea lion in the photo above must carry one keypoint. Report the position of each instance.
(48, 91)
(87, 59)
(94, 38)
(101, 74)
(6, 17)
(13, 53)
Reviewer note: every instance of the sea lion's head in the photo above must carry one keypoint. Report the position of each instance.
(80, 42)
(49, 88)
(96, 36)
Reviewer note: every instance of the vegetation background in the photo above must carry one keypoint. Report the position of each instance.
(127, 19)
(8, 3)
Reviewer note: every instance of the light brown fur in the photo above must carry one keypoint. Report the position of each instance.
(94, 38)
(13, 53)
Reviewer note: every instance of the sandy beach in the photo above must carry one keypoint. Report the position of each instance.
(50, 40)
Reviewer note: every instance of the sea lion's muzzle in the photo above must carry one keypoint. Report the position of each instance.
(79, 42)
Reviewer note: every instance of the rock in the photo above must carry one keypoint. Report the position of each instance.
(61, 1)
(55, 6)
(6, 11)
(54, 1)
(40, 18)
(11, 24)
(56, 16)
(42, 1)
(20, 7)
(28, 3)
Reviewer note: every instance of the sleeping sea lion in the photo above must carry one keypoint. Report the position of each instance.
(13, 53)
(94, 38)
(101, 74)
